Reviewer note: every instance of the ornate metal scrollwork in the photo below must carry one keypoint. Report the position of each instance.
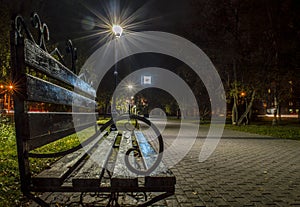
(73, 52)
(20, 25)
(42, 29)
(22, 31)
(159, 138)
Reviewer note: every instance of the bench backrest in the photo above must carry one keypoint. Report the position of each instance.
(47, 95)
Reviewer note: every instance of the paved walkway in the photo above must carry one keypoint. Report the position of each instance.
(244, 170)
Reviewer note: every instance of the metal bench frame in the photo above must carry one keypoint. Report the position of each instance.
(27, 53)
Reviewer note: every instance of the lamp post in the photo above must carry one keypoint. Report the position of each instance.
(117, 31)
(131, 99)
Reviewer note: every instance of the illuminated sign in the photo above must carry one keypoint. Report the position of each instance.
(146, 80)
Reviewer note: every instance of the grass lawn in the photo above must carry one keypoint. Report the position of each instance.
(287, 129)
(10, 194)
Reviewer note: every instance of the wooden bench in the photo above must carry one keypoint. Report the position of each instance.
(50, 103)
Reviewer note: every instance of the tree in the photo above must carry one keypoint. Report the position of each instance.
(248, 42)
(4, 43)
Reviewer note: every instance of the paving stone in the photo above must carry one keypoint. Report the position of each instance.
(199, 204)
(182, 198)
(220, 202)
(191, 195)
(172, 202)
(186, 205)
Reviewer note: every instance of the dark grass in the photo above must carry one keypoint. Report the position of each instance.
(10, 194)
(285, 128)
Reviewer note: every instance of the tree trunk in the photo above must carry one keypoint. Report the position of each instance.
(275, 120)
(249, 107)
(234, 115)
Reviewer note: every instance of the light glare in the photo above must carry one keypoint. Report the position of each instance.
(117, 30)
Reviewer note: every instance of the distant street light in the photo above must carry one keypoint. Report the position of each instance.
(130, 87)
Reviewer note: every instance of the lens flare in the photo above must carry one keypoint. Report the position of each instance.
(109, 21)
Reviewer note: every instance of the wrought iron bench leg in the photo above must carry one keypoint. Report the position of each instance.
(36, 199)
(113, 200)
(155, 199)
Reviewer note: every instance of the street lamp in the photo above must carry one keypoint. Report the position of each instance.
(117, 30)
(130, 87)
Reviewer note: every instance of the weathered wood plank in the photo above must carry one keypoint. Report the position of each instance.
(122, 177)
(45, 128)
(60, 170)
(90, 174)
(149, 155)
(48, 138)
(47, 123)
(43, 61)
(161, 176)
(39, 90)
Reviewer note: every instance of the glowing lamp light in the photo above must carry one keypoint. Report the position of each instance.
(2, 86)
(117, 30)
(243, 94)
(130, 87)
(10, 87)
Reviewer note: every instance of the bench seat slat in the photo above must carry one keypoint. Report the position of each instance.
(122, 176)
(61, 169)
(89, 175)
(161, 176)
(43, 61)
(39, 90)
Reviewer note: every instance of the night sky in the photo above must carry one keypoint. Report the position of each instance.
(64, 17)
(196, 20)
(209, 24)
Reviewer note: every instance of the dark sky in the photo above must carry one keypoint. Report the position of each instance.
(200, 21)
(208, 23)
(65, 17)
(183, 17)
